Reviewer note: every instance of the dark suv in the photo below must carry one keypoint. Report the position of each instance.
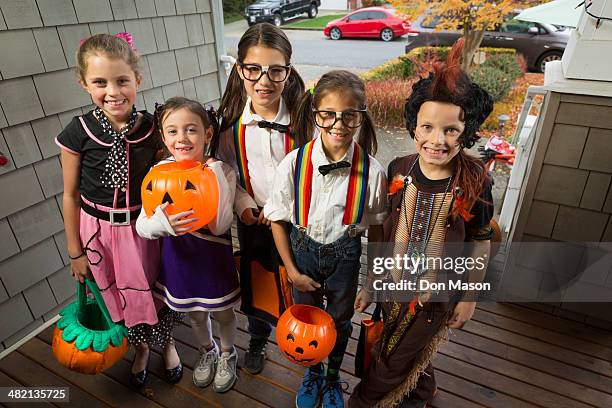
(539, 43)
(276, 12)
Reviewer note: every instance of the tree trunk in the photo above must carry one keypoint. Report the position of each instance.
(473, 39)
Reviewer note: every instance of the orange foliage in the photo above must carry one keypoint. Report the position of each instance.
(475, 15)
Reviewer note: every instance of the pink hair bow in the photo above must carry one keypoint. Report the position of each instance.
(127, 37)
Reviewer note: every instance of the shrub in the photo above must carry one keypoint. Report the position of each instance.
(496, 82)
(395, 68)
(521, 61)
(507, 63)
(413, 63)
(510, 105)
(386, 100)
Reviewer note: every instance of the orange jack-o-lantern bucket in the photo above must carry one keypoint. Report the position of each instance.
(305, 334)
(86, 339)
(185, 185)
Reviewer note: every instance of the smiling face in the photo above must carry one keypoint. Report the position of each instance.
(112, 84)
(185, 135)
(301, 354)
(437, 132)
(265, 94)
(339, 137)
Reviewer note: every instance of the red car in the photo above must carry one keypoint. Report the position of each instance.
(373, 22)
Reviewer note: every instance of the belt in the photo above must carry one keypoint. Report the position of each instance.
(115, 217)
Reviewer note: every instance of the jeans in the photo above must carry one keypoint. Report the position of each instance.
(335, 267)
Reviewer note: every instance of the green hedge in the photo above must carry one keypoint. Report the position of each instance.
(495, 81)
(404, 66)
(496, 75)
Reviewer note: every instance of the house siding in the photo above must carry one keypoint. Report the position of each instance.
(39, 95)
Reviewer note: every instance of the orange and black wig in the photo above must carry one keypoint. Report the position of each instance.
(449, 83)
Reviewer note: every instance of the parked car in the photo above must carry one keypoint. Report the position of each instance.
(277, 12)
(539, 43)
(373, 22)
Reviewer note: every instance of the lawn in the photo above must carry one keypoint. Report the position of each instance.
(231, 17)
(318, 23)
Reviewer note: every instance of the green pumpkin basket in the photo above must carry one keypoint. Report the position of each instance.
(85, 338)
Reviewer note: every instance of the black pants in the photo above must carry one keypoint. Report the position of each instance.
(257, 243)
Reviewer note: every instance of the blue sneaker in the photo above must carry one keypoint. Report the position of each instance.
(332, 394)
(309, 393)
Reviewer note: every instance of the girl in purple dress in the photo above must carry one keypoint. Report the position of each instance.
(198, 275)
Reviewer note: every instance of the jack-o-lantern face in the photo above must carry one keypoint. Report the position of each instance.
(305, 334)
(184, 185)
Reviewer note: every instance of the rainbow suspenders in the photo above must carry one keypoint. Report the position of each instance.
(239, 131)
(355, 194)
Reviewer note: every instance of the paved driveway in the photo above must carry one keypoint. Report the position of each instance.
(313, 54)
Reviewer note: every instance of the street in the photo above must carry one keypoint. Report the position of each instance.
(314, 54)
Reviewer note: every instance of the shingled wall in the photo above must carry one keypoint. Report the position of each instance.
(567, 195)
(39, 95)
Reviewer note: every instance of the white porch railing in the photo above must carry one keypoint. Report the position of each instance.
(523, 140)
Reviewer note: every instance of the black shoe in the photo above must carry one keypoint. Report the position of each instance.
(138, 380)
(174, 375)
(255, 356)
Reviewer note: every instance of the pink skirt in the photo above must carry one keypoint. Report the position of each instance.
(125, 267)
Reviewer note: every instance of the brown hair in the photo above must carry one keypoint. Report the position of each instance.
(208, 114)
(109, 46)
(339, 81)
(449, 83)
(234, 98)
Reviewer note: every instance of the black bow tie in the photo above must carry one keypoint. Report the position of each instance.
(274, 126)
(326, 168)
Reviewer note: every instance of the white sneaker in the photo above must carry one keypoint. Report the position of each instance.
(204, 371)
(226, 371)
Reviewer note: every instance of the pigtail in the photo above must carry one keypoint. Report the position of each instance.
(294, 89)
(157, 115)
(212, 115)
(233, 100)
(231, 107)
(367, 135)
(303, 120)
(213, 122)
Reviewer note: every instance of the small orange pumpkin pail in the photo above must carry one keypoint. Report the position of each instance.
(305, 334)
(185, 185)
(85, 339)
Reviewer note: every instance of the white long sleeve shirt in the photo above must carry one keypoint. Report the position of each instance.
(265, 149)
(158, 226)
(328, 198)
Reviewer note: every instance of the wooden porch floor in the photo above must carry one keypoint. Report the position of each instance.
(508, 356)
